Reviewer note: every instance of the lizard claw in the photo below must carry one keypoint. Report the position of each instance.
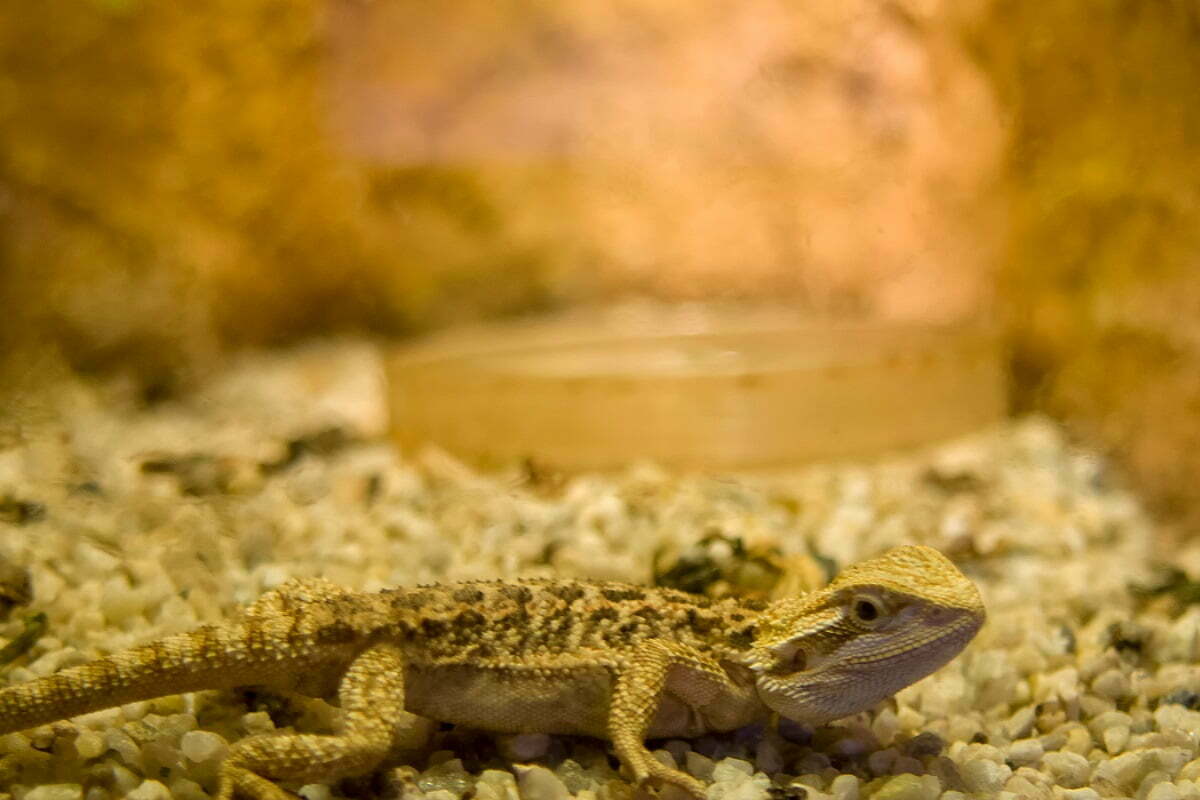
(654, 773)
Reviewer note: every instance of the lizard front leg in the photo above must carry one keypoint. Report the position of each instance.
(371, 693)
(659, 668)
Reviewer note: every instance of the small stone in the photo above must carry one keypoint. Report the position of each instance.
(1172, 759)
(89, 744)
(525, 746)
(767, 757)
(203, 746)
(1115, 738)
(497, 784)
(909, 787)
(1190, 771)
(1173, 716)
(538, 783)
(885, 725)
(55, 791)
(747, 790)
(577, 777)
(123, 779)
(732, 770)
(1086, 793)
(1019, 786)
(909, 719)
(184, 789)
(1070, 770)
(1112, 684)
(678, 749)
(1164, 791)
(449, 776)
(1020, 724)
(1078, 741)
(924, 744)
(795, 732)
(315, 791)
(257, 722)
(985, 777)
(1126, 770)
(150, 790)
(699, 765)
(880, 762)
(844, 787)
(120, 741)
(1025, 752)
(1109, 719)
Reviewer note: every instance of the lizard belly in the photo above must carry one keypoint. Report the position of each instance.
(508, 700)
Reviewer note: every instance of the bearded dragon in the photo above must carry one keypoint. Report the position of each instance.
(608, 660)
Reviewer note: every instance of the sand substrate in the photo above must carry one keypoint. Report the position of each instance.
(139, 522)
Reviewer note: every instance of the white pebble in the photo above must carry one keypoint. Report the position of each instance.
(1111, 684)
(909, 787)
(746, 790)
(150, 790)
(183, 789)
(1025, 752)
(538, 783)
(202, 746)
(123, 779)
(55, 791)
(1190, 771)
(315, 791)
(89, 744)
(497, 783)
(1115, 738)
(1070, 770)
(985, 777)
(126, 747)
(1086, 793)
(844, 787)
(731, 770)
(256, 723)
(1020, 724)
(1126, 770)
(1164, 791)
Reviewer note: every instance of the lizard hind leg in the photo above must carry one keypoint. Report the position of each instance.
(371, 694)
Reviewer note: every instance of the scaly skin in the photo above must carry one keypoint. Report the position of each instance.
(609, 660)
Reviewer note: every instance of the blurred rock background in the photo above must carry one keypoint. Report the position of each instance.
(177, 183)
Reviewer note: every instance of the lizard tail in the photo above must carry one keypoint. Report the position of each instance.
(211, 657)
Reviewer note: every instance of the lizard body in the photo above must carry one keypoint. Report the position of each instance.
(609, 660)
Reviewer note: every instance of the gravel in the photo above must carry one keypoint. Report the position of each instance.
(1083, 684)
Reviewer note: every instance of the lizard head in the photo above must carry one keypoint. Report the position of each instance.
(880, 626)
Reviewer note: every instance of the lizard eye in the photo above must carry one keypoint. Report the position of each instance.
(866, 610)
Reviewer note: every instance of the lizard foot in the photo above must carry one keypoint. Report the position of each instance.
(237, 781)
(652, 772)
